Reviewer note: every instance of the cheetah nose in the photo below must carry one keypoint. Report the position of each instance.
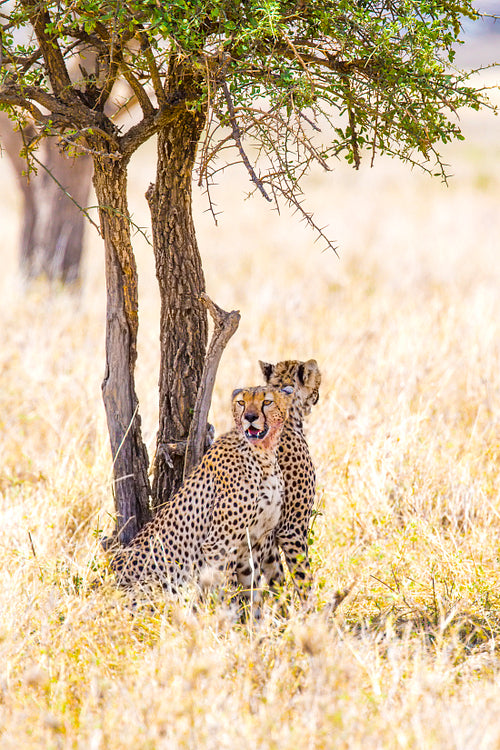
(251, 417)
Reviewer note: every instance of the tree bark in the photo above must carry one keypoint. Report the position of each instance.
(183, 318)
(225, 325)
(52, 230)
(130, 460)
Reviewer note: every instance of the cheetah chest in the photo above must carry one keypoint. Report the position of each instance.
(268, 509)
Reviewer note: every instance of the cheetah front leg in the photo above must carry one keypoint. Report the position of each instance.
(293, 542)
(270, 563)
(237, 570)
(219, 562)
(249, 569)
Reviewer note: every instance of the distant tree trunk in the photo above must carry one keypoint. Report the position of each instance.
(52, 225)
(130, 460)
(183, 317)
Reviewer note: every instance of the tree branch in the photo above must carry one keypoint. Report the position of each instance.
(61, 114)
(14, 99)
(353, 135)
(225, 325)
(237, 139)
(153, 70)
(56, 67)
(139, 91)
(148, 126)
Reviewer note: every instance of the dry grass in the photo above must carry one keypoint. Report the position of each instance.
(406, 439)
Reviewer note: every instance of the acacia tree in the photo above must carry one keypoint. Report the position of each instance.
(219, 81)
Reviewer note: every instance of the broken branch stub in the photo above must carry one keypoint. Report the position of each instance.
(225, 325)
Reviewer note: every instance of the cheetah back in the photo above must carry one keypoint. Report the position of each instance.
(299, 475)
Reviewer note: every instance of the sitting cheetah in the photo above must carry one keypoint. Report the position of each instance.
(291, 534)
(231, 500)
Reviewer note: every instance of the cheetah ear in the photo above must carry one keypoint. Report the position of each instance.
(308, 372)
(236, 392)
(267, 369)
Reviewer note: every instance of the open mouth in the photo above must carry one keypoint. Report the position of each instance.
(254, 434)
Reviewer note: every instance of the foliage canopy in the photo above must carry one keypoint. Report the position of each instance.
(301, 81)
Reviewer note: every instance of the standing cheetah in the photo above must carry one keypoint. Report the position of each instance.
(230, 501)
(291, 533)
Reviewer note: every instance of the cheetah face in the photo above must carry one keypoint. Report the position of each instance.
(260, 413)
(304, 377)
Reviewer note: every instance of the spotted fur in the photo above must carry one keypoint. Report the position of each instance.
(291, 533)
(230, 501)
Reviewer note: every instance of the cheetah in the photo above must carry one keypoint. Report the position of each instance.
(291, 533)
(228, 504)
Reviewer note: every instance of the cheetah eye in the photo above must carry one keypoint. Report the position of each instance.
(267, 402)
(241, 403)
(287, 389)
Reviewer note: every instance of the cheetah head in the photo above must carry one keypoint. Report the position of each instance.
(305, 378)
(260, 413)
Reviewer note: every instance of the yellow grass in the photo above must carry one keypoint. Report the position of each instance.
(406, 439)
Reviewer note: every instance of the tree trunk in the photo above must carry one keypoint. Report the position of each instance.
(130, 460)
(52, 229)
(183, 317)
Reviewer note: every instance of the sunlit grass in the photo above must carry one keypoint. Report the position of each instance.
(405, 326)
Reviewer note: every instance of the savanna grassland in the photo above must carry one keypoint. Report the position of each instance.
(405, 325)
